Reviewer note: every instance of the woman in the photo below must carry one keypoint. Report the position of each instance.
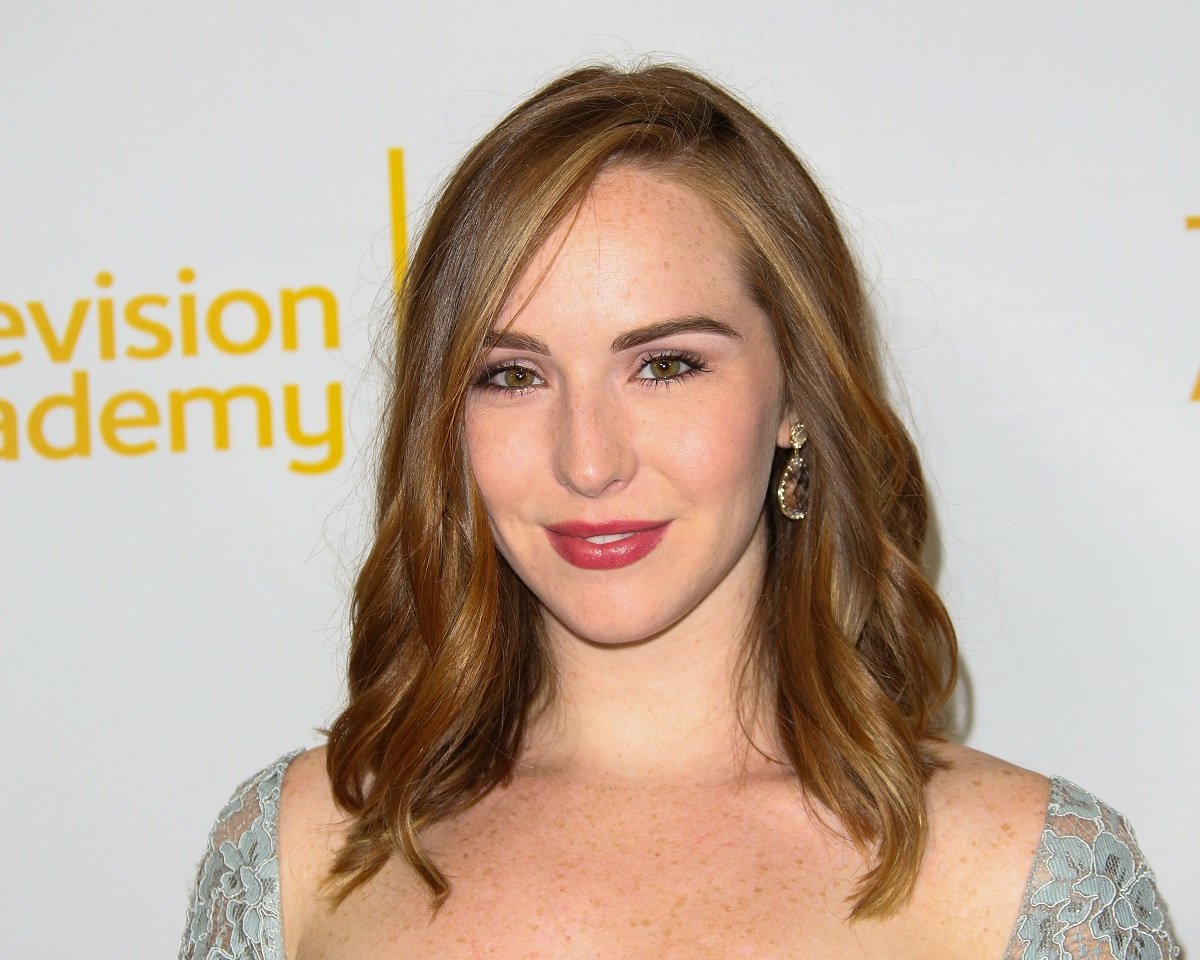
(643, 660)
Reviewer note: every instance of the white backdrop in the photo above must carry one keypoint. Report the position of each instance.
(1018, 177)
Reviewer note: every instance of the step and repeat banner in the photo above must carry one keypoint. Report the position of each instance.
(202, 206)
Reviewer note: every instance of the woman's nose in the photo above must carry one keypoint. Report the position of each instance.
(594, 451)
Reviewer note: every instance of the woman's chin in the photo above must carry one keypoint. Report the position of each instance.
(609, 625)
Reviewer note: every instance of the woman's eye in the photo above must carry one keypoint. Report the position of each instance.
(666, 368)
(513, 378)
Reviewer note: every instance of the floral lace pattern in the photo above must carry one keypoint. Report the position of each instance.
(234, 913)
(1090, 893)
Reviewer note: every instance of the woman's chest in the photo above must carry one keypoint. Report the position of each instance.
(582, 880)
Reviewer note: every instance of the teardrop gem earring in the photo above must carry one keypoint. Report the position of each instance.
(793, 504)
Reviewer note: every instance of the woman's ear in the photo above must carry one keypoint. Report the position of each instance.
(784, 437)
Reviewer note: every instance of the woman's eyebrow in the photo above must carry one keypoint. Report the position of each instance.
(510, 340)
(638, 336)
(666, 328)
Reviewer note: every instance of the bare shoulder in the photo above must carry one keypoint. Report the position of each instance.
(987, 786)
(311, 829)
(986, 819)
(306, 791)
(984, 810)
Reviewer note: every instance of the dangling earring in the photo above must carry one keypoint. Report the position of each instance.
(795, 474)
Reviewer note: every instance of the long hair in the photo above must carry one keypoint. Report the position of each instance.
(447, 663)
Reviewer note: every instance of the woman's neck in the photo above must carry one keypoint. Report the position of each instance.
(662, 710)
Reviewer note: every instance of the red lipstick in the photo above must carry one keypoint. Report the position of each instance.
(636, 539)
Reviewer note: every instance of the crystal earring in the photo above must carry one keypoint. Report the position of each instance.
(795, 474)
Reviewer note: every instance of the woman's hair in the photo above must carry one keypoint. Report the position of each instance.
(850, 645)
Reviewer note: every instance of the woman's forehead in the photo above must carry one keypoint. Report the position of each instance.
(638, 246)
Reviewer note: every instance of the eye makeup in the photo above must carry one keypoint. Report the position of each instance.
(515, 378)
(666, 362)
(665, 368)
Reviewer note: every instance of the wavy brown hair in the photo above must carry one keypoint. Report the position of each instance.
(447, 663)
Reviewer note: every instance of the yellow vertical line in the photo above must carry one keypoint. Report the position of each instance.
(399, 221)
(1193, 223)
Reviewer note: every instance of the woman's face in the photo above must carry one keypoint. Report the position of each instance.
(622, 431)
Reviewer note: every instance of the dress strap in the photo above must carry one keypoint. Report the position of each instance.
(1090, 891)
(234, 912)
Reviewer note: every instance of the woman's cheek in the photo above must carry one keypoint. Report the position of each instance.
(492, 469)
(508, 461)
(724, 451)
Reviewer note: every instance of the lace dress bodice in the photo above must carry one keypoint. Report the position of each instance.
(234, 914)
(1090, 893)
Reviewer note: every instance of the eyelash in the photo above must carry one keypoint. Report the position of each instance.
(695, 364)
(483, 381)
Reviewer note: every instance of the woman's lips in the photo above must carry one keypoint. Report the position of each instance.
(635, 539)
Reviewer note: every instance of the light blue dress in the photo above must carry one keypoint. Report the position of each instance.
(1089, 895)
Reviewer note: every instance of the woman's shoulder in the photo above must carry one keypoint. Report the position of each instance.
(986, 818)
(1089, 883)
(306, 798)
(984, 808)
(235, 900)
(264, 866)
(974, 797)
(1032, 860)
(311, 830)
